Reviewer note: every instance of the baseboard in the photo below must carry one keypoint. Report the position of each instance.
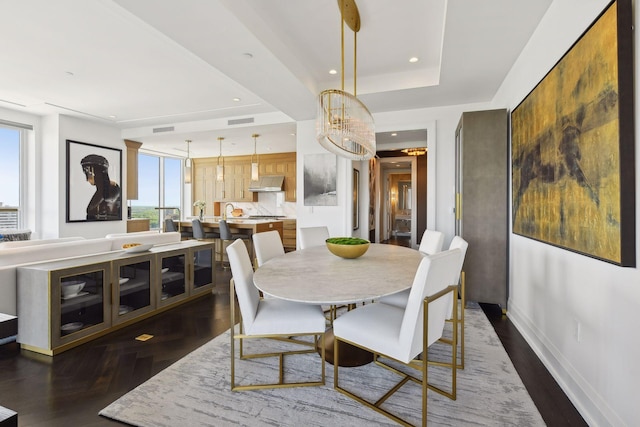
(587, 401)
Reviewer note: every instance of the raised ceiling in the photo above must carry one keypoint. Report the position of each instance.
(148, 64)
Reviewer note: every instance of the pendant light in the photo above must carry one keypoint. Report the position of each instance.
(187, 164)
(344, 125)
(220, 167)
(255, 175)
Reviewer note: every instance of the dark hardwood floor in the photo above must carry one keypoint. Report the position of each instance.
(554, 406)
(71, 388)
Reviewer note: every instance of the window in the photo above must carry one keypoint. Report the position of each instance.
(159, 185)
(10, 162)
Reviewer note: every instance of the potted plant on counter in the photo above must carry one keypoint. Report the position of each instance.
(200, 204)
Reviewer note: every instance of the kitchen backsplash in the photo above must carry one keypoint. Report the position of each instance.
(271, 203)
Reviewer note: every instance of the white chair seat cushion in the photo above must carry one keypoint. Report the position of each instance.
(275, 316)
(382, 332)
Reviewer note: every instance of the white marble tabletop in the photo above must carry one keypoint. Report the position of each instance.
(315, 275)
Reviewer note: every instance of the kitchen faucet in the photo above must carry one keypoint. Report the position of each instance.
(224, 214)
(162, 208)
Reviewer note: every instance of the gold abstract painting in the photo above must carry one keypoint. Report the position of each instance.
(566, 157)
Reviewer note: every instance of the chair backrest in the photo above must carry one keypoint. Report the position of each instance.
(434, 273)
(198, 230)
(169, 225)
(225, 231)
(267, 245)
(242, 275)
(313, 236)
(431, 242)
(460, 243)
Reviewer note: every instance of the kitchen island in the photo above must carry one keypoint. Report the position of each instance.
(247, 226)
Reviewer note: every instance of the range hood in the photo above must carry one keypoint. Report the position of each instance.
(267, 183)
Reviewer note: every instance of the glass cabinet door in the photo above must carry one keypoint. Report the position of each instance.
(203, 267)
(173, 269)
(132, 286)
(82, 302)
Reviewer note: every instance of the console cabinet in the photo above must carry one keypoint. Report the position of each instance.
(118, 288)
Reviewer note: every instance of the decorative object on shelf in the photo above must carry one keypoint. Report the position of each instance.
(347, 247)
(187, 164)
(220, 167)
(255, 175)
(573, 166)
(93, 176)
(137, 247)
(68, 328)
(418, 151)
(72, 288)
(344, 124)
(200, 204)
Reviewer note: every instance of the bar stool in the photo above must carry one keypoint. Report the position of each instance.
(226, 237)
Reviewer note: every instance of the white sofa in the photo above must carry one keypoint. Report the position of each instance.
(22, 243)
(12, 257)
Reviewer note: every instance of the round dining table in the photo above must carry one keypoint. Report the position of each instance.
(316, 276)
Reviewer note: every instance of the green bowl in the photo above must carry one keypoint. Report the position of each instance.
(347, 247)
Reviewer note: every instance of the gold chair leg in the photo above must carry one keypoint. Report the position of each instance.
(420, 365)
(280, 384)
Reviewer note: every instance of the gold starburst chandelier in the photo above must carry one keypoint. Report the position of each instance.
(344, 125)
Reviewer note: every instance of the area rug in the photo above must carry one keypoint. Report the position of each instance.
(195, 391)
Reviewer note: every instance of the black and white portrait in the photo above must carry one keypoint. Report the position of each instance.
(94, 174)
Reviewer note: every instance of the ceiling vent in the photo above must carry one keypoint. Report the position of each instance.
(240, 121)
(164, 129)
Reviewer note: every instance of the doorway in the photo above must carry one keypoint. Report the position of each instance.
(398, 204)
(397, 154)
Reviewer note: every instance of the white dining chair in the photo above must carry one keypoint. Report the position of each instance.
(266, 245)
(399, 299)
(402, 334)
(313, 236)
(432, 242)
(270, 318)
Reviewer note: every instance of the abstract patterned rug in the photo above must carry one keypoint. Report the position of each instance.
(195, 391)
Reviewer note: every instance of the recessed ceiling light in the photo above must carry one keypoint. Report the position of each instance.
(236, 99)
(414, 59)
(333, 72)
(113, 117)
(394, 134)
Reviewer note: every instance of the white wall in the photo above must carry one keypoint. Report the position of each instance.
(579, 314)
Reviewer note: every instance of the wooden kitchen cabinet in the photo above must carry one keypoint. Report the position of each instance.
(237, 178)
(132, 168)
(289, 234)
(281, 164)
